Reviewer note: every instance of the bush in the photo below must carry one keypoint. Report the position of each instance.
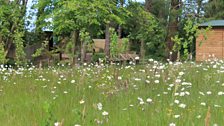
(98, 56)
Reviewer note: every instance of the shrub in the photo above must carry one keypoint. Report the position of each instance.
(98, 56)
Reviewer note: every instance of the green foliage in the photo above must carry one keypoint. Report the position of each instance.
(214, 9)
(114, 50)
(12, 15)
(178, 41)
(3, 60)
(115, 47)
(69, 49)
(86, 40)
(124, 45)
(98, 56)
(143, 26)
(48, 109)
(20, 54)
(186, 42)
(40, 51)
(190, 31)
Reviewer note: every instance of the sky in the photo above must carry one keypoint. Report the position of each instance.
(140, 0)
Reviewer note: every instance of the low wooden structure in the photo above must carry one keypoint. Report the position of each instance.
(126, 58)
(211, 46)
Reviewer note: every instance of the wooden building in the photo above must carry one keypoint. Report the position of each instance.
(211, 44)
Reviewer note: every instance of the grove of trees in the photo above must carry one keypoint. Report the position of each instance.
(159, 29)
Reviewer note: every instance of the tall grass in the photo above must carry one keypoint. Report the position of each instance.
(156, 94)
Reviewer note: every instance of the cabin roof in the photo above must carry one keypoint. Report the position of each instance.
(213, 23)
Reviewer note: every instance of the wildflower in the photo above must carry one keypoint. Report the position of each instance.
(178, 80)
(172, 124)
(176, 101)
(99, 106)
(72, 81)
(182, 105)
(217, 106)
(199, 116)
(220, 93)
(147, 81)
(56, 124)
(176, 116)
(165, 93)
(203, 104)
(137, 79)
(137, 58)
(131, 105)
(119, 78)
(176, 94)
(186, 92)
(82, 101)
(157, 75)
(65, 92)
(150, 60)
(156, 81)
(104, 113)
(141, 102)
(181, 73)
(109, 77)
(201, 93)
(182, 93)
(209, 92)
(149, 100)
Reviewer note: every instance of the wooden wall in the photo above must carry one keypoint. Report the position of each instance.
(99, 44)
(212, 46)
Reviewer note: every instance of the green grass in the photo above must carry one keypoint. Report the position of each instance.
(42, 97)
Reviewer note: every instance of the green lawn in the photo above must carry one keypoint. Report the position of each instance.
(155, 94)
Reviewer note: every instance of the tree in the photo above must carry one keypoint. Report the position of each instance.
(12, 27)
(144, 31)
(78, 15)
(173, 28)
(214, 9)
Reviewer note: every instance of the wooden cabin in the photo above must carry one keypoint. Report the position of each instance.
(211, 45)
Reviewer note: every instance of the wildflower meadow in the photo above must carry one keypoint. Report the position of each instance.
(153, 94)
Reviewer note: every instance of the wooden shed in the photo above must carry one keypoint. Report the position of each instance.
(211, 46)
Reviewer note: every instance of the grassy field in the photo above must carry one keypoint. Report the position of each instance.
(155, 94)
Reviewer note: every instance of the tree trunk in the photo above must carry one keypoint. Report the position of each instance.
(107, 41)
(148, 5)
(120, 27)
(75, 35)
(172, 29)
(119, 32)
(142, 49)
(83, 52)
